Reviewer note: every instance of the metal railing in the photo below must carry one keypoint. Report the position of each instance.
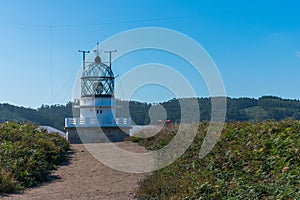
(97, 122)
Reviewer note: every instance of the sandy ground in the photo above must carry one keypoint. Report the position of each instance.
(86, 178)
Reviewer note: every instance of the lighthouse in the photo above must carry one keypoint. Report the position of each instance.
(97, 120)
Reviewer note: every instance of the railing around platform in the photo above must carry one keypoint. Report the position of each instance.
(96, 122)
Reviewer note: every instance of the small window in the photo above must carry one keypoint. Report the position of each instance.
(97, 111)
(101, 111)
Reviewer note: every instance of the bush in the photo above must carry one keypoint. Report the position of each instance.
(27, 155)
(251, 161)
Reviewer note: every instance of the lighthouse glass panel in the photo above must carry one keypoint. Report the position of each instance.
(97, 80)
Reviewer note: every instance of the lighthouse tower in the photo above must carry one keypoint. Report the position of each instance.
(97, 121)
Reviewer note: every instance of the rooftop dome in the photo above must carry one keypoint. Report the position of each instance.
(97, 80)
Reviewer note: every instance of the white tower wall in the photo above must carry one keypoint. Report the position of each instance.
(103, 109)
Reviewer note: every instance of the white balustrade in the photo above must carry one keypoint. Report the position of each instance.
(97, 122)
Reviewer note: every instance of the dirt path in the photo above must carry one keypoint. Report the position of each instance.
(86, 178)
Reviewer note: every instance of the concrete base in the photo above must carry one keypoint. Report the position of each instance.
(96, 134)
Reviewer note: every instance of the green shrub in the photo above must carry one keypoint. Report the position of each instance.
(251, 161)
(28, 155)
(7, 182)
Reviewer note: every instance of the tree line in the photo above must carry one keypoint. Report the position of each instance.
(238, 109)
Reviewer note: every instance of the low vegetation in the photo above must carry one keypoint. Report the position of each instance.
(251, 161)
(27, 155)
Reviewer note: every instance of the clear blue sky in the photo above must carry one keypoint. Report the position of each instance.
(255, 44)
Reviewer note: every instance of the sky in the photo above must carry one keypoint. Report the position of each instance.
(254, 44)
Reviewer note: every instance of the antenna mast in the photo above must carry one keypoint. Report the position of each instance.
(83, 57)
(110, 55)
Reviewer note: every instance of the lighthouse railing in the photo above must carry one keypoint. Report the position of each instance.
(97, 122)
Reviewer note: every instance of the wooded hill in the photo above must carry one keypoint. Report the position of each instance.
(238, 109)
